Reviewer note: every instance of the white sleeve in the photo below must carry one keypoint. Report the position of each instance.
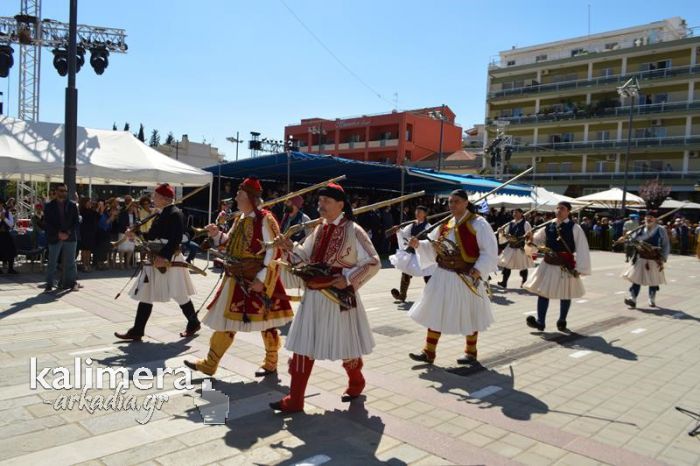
(528, 227)
(269, 252)
(540, 236)
(488, 247)
(402, 237)
(426, 252)
(368, 263)
(583, 254)
(305, 249)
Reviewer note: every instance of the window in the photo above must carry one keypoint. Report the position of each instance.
(552, 167)
(603, 166)
(605, 73)
(517, 112)
(663, 64)
(567, 137)
(510, 63)
(540, 58)
(577, 52)
(566, 167)
(661, 98)
(612, 46)
(603, 135)
(659, 132)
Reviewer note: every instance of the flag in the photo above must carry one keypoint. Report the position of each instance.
(483, 207)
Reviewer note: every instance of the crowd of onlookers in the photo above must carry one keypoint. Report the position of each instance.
(101, 225)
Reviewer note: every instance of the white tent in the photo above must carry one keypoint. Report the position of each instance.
(674, 204)
(34, 152)
(540, 199)
(612, 199)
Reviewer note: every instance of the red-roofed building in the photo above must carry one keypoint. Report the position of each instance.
(395, 137)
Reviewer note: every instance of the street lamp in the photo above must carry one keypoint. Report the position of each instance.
(628, 90)
(236, 141)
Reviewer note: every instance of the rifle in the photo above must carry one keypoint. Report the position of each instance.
(391, 231)
(624, 237)
(291, 231)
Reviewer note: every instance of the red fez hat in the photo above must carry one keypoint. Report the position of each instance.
(252, 186)
(297, 201)
(166, 190)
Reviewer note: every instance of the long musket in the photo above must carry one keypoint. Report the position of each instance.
(148, 218)
(624, 237)
(503, 227)
(288, 196)
(396, 228)
(294, 229)
(542, 225)
(424, 234)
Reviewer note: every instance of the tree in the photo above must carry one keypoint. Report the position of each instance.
(141, 137)
(654, 193)
(155, 139)
(114, 126)
(126, 126)
(170, 139)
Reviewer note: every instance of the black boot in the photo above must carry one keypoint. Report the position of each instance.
(506, 275)
(193, 324)
(143, 312)
(523, 275)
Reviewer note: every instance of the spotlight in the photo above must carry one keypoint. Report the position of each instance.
(79, 59)
(6, 60)
(60, 61)
(99, 59)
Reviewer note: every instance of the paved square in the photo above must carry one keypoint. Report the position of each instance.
(604, 394)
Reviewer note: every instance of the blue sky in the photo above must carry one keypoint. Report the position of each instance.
(211, 68)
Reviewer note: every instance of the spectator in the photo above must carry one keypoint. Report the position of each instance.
(88, 232)
(38, 227)
(62, 223)
(102, 246)
(682, 233)
(8, 251)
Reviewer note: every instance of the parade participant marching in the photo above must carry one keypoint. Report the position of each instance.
(293, 215)
(652, 248)
(455, 300)
(404, 235)
(514, 256)
(251, 297)
(167, 276)
(566, 258)
(326, 328)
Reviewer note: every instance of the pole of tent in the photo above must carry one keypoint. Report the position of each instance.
(403, 182)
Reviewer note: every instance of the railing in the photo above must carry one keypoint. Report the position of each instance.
(602, 113)
(613, 176)
(606, 80)
(610, 145)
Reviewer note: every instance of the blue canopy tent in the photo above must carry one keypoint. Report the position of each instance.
(313, 168)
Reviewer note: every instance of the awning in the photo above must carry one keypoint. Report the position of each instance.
(313, 168)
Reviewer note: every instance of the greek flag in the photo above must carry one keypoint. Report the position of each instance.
(483, 207)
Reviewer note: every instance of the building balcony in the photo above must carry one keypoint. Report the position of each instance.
(610, 112)
(637, 145)
(584, 85)
(383, 143)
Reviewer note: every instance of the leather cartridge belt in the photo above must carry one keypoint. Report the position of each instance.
(454, 264)
(558, 258)
(652, 255)
(517, 243)
(246, 268)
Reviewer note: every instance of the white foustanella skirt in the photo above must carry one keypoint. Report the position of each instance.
(645, 272)
(321, 331)
(174, 284)
(448, 306)
(550, 281)
(515, 259)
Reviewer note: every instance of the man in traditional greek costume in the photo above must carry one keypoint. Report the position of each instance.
(652, 248)
(251, 297)
(326, 327)
(514, 256)
(166, 277)
(566, 258)
(455, 300)
(405, 257)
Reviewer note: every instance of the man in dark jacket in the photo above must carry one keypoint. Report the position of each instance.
(62, 221)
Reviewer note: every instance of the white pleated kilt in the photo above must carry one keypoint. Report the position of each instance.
(215, 319)
(448, 306)
(550, 281)
(408, 263)
(515, 259)
(639, 274)
(321, 331)
(174, 284)
(290, 281)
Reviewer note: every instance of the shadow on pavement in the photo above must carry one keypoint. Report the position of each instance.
(515, 404)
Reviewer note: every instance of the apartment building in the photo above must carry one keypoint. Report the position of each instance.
(561, 106)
